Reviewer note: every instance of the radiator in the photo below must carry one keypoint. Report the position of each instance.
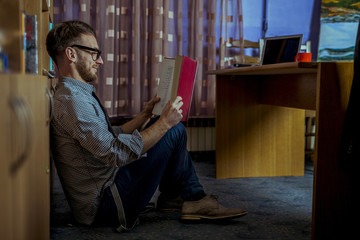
(200, 139)
(201, 134)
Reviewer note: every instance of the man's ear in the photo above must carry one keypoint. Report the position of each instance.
(71, 54)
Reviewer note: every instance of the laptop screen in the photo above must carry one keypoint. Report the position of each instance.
(281, 49)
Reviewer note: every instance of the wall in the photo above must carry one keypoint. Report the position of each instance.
(283, 17)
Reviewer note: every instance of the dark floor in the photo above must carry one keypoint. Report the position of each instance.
(279, 208)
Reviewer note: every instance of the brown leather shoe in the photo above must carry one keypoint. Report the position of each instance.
(209, 208)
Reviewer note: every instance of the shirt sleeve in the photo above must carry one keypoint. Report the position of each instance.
(85, 121)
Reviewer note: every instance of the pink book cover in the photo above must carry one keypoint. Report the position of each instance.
(186, 84)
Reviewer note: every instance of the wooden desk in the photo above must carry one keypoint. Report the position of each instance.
(260, 131)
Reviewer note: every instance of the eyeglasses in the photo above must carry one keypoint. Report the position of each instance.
(95, 53)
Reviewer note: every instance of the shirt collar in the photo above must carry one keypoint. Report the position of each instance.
(76, 83)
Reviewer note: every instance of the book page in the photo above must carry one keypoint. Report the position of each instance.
(165, 84)
(176, 77)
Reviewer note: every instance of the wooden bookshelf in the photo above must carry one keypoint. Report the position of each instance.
(10, 32)
(24, 127)
(11, 36)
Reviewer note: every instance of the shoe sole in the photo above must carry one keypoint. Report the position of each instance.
(167, 210)
(199, 217)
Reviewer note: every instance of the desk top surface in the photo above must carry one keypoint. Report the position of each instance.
(271, 69)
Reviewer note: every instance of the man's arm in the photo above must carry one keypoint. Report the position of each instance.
(136, 123)
(141, 119)
(170, 116)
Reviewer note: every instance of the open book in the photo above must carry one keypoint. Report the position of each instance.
(177, 78)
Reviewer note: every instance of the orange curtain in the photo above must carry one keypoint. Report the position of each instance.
(135, 36)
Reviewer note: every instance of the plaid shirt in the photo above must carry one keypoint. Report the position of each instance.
(87, 153)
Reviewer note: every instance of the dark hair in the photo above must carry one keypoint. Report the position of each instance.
(64, 35)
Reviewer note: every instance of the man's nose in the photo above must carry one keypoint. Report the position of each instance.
(100, 60)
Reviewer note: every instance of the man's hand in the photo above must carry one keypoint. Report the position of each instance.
(172, 114)
(149, 106)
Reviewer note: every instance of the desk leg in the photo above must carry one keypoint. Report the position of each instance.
(334, 207)
(252, 139)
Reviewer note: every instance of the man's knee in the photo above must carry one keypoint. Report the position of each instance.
(178, 132)
(181, 129)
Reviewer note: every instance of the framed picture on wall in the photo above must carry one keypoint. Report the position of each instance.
(339, 23)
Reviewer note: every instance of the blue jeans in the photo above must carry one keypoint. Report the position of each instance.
(168, 165)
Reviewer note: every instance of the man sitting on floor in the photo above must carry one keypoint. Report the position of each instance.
(110, 177)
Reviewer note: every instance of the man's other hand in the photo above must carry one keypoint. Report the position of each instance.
(172, 112)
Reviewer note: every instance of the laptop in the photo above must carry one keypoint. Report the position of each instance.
(280, 49)
(277, 50)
